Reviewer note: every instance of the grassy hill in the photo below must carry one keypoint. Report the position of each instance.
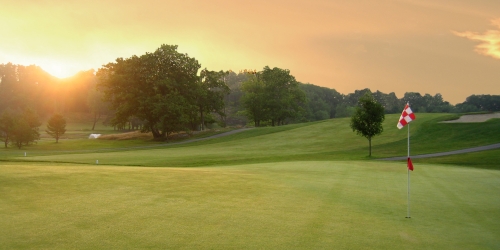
(325, 140)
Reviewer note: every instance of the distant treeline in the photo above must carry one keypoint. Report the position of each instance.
(325, 103)
(29, 87)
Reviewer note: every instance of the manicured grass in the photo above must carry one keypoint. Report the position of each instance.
(489, 159)
(301, 186)
(286, 205)
(432, 136)
(325, 140)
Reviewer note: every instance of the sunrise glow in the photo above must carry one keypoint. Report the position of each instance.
(58, 70)
(392, 46)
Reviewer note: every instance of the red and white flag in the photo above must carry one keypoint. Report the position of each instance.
(406, 117)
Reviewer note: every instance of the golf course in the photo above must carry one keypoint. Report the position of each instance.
(298, 186)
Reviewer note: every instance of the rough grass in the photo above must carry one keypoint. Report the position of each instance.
(287, 205)
(138, 135)
(77, 142)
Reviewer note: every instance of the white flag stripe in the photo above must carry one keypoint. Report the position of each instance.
(406, 117)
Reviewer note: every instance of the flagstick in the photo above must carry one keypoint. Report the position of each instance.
(408, 169)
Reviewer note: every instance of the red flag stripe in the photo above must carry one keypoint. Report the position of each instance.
(410, 164)
(406, 116)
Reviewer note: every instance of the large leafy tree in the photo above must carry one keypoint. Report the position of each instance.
(284, 97)
(56, 126)
(273, 95)
(254, 100)
(158, 88)
(367, 119)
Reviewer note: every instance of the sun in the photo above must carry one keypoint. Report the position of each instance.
(59, 70)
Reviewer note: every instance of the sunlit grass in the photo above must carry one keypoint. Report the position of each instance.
(287, 205)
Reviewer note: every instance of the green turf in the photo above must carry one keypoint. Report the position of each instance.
(431, 136)
(301, 186)
(325, 140)
(287, 205)
(489, 159)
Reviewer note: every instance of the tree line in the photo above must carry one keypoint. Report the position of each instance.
(322, 103)
(166, 91)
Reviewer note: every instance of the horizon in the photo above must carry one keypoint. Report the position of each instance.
(447, 47)
(62, 79)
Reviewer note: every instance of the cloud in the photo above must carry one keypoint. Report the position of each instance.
(490, 40)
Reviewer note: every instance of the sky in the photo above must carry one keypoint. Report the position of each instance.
(451, 47)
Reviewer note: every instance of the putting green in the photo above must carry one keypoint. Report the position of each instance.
(285, 205)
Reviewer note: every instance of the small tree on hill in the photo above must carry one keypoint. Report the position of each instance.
(367, 119)
(25, 128)
(56, 126)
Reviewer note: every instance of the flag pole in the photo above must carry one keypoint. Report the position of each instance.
(406, 117)
(408, 169)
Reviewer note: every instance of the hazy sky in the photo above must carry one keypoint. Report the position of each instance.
(450, 47)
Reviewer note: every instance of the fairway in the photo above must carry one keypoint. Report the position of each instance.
(300, 186)
(286, 205)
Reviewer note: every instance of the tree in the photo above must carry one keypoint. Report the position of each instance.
(416, 100)
(233, 101)
(352, 99)
(484, 102)
(56, 126)
(158, 88)
(392, 103)
(321, 102)
(24, 130)
(344, 110)
(26, 87)
(7, 125)
(96, 104)
(22, 134)
(367, 119)
(211, 92)
(284, 97)
(272, 95)
(254, 100)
